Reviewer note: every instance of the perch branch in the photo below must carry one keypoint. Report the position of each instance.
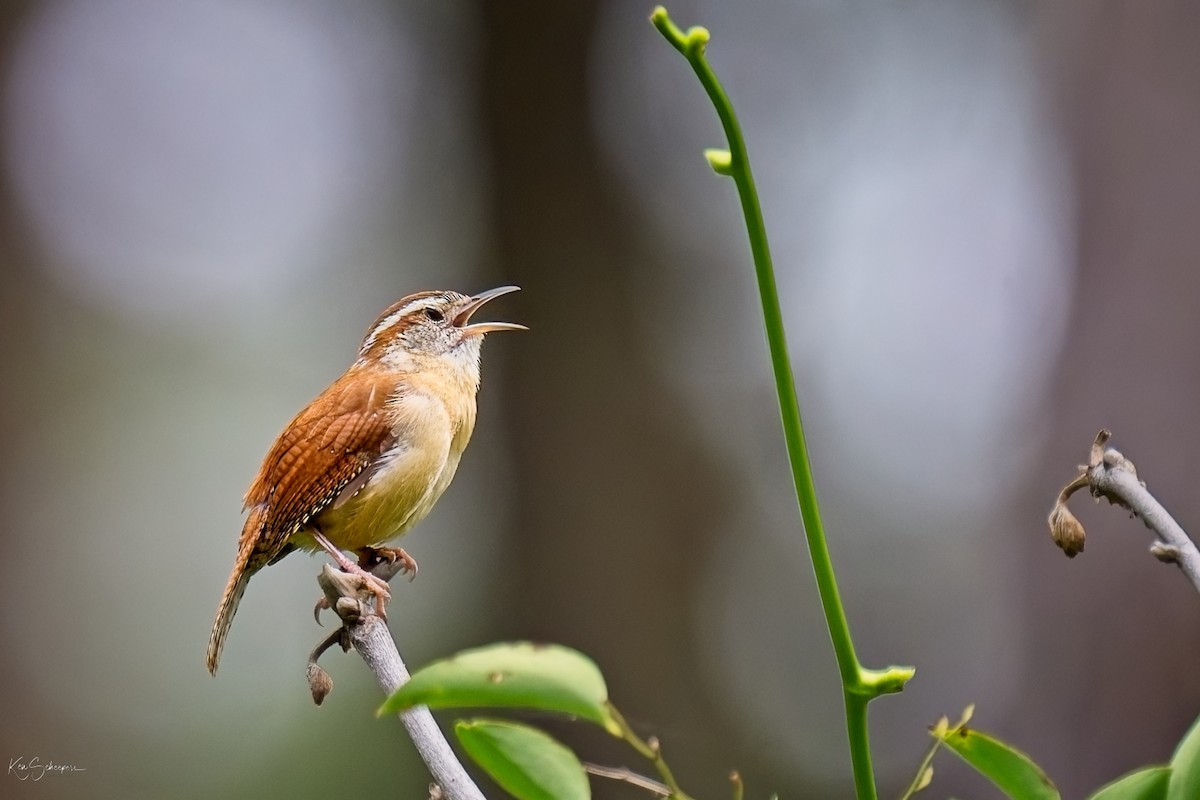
(369, 635)
(1111, 475)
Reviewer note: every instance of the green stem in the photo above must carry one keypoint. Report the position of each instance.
(916, 784)
(652, 751)
(859, 685)
(739, 788)
(860, 744)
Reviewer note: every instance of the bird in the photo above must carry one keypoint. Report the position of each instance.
(367, 459)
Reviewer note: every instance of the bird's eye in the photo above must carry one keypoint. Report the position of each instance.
(433, 315)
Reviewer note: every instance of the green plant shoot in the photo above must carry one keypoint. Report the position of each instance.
(859, 684)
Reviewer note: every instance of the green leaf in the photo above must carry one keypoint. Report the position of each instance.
(1185, 767)
(1010, 769)
(1147, 783)
(527, 763)
(517, 675)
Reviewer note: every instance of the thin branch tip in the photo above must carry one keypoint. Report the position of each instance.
(626, 775)
(1096, 455)
(1113, 476)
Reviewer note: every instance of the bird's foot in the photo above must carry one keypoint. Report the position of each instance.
(376, 586)
(387, 561)
(373, 584)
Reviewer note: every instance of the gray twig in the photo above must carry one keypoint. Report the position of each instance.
(1111, 475)
(369, 635)
(628, 776)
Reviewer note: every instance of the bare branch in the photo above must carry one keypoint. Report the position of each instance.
(369, 635)
(1111, 475)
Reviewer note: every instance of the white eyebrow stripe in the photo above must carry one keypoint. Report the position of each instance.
(396, 316)
(388, 322)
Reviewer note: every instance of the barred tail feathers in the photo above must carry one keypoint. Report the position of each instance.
(238, 581)
(243, 569)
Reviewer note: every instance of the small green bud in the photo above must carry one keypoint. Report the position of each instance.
(720, 160)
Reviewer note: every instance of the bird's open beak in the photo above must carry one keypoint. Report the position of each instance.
(464, 315)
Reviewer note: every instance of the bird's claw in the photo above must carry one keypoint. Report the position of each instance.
(386, 562)
(368, 582)
(378, 587)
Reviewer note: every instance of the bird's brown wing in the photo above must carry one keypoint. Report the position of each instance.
(328, 448)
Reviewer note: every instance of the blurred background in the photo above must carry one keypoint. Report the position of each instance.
(984, 220)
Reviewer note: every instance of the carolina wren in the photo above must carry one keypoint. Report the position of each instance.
(367, 459)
